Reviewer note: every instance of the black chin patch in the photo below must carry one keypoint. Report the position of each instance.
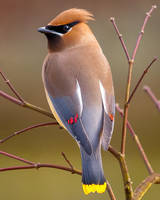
(62, 29)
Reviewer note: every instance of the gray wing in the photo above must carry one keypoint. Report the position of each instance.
(108, 120)
(69, 110)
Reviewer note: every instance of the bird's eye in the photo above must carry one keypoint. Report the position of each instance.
(66, 28)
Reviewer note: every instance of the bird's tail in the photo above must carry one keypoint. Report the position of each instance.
(93, 179)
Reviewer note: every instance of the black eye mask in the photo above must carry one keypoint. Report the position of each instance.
(62, 28)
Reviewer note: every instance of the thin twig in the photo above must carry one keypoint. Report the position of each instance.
(38, 109)
(126, 105)
(110, 191)
(139, 145)
(68, 162)
(11, 87)
(153, 97)
(148, 14)
(16, 157)
(114, 152)
(27, 129)
(140, 80)
(26, 104)
(112, 19)
(39, 165)
(145, 185)
(35, 165)
(10, 98)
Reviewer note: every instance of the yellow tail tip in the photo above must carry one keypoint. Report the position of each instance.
(94, 188)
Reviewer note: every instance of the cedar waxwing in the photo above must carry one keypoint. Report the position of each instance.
(79, 89)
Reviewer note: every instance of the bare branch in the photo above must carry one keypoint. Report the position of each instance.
(112, 19)
(110, 192)
(131, 61)
(11, 87)
(126, 106)
(27, 129)
(26, 105)
(145, 185)
(68, 162)
(16, 157)
(153, 97)
(140, 80)
(139, 145)
(35, 165)
(124, 170)
(148, 14)
(126, 177)
(10, 98)
(40, 165)
(114, 152)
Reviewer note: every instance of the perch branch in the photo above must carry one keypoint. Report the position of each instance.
(153, 97)
(126, 177)
(124, 170)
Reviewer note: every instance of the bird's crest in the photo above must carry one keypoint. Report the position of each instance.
(72, 15)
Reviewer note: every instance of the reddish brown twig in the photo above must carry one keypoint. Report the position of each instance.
(114, 152)
(112, 19)
(139, 145)
(11, 87)
(26, 104)
(126, 105)
(10, 98)
(34, 165)
(153, 97)
(148, 14)
(27, 129)
(140, 80)
(20, 101)
(40, 165)
(145, 186)
(68, 162)
(16, 157)
(110, 192)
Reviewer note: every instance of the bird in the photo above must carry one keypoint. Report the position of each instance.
(79, 89)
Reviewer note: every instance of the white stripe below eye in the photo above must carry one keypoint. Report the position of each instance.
(78, 91)
(103, 94)
(56, 33)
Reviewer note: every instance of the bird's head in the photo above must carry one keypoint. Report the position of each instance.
(68, 29)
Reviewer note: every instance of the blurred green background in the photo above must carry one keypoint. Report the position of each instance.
(22, 50)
